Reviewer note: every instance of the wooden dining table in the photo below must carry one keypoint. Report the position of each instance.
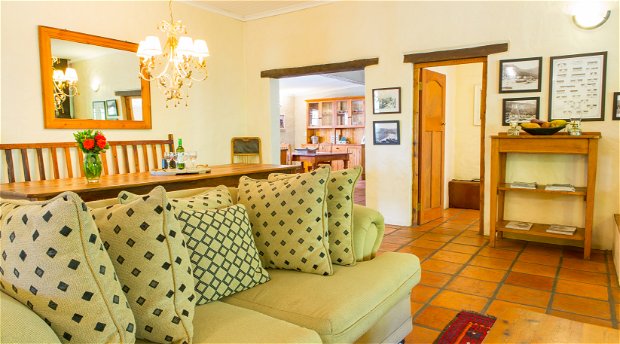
(140, 183)
(314, 159)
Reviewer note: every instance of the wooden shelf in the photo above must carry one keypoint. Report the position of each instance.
(349, 126)
(539, 229)
(321, 127)
(579, 191)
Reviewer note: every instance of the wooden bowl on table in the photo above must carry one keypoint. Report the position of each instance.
(543, 131)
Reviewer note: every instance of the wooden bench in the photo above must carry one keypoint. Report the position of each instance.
(55, 160)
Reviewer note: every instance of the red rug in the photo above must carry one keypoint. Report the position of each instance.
(466, 328)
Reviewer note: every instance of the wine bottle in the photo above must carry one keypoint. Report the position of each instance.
(180, 156)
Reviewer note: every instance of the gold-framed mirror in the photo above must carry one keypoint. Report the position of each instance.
(91, 82)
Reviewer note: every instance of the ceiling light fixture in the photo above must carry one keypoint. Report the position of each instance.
(65, 84)
(174, 68)
(590, 15)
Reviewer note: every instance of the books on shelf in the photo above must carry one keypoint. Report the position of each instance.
(524, 226)
(523, 185)
(560, 187)
(559, 229)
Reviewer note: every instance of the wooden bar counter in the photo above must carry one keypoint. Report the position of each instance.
(110, 185)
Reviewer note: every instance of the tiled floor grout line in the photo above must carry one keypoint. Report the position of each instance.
(501, 283)
(556, 279)
(452, 277)
(610, 295)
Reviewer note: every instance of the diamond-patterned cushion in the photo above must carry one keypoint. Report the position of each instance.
(223, 252)
(340, 190)
(146, 245)
(218, 197)
(53, 261)
(289, 221)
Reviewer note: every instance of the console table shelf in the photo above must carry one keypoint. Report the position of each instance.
(561, 143)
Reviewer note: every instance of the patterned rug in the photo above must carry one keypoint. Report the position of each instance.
(467, 328)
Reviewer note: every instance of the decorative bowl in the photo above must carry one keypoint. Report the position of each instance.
(543, 131)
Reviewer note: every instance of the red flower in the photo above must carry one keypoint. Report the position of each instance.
(88, 144)
(100, 136)
(101, 142)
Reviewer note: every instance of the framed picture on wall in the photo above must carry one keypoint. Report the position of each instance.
(386, 132)
(99, 109)
(616, 108)
(386, 100)
(520, 75)
(577, 86)
(111, 109)
(524, 109)
(282, 122)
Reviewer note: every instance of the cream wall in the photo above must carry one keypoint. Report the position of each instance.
(319, 36)
(217, 107)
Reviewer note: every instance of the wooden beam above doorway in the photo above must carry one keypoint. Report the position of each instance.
(456, 54)
(319, 69)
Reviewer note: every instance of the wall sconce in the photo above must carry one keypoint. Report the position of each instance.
(95, 84)
(590, 15)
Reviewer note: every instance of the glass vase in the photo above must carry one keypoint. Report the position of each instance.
(92, 167)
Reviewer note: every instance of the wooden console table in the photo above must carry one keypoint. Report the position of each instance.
(316, 158)
(561, 143)
(140, 183)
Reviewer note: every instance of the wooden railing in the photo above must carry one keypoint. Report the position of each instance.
(116, 160)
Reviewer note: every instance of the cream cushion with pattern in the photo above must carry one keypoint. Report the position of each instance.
(146, 245)
(222, 250)
(289, 221)
(217, 197)
(340, 190)
(53, 261)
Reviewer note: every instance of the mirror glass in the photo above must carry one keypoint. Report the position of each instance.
(107, 86)
(91, 82)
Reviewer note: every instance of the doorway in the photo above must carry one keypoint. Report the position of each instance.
(449, 103)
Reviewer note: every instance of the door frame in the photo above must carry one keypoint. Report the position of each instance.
(416, 128)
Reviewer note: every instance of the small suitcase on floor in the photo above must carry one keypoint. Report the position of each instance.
(464, 194)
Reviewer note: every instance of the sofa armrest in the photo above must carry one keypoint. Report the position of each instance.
(21, 325)
(368, 229)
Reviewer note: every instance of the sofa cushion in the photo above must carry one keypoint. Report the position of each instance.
(342, 307)
(219, 322)
(13, 312)
(213, 198)
(53, 261)
(289, 221)
(222, 251)
(340, 190)
(146, 245)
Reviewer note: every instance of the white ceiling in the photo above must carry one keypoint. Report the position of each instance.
(314, 84)
(254, 9)
(77, 51)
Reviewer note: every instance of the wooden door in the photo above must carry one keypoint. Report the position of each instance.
(432, 124)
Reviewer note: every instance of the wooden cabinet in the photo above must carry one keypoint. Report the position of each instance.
(356, 154)
(502, 145)
(330, 119)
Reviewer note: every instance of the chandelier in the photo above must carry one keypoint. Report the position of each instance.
(174, 68)
(65, 84)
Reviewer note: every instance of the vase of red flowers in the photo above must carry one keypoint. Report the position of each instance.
(92, 143)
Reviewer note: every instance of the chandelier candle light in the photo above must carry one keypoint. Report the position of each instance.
(63, 80)
(174, 68)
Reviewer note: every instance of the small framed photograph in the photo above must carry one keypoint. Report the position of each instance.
(616, 108)
(520, 75)
(282, 122)
(524, 109)
(111, 109)
(99, 110)
(386, 100)
(386, 132)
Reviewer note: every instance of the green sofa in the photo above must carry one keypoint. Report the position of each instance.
(368, 302)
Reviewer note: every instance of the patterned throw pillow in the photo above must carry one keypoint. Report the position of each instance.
(222, 251)
(218, 197)
(289, 221)
(53, 261)
(146, 245)
(340, 190)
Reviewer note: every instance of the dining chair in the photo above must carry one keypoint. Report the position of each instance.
(246, 150)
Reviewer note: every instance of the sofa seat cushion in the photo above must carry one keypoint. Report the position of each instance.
(219, 322)
(341, 307)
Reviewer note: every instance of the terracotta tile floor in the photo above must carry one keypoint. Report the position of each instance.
(460, 271)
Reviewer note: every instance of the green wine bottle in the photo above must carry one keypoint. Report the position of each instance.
(180, 156)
